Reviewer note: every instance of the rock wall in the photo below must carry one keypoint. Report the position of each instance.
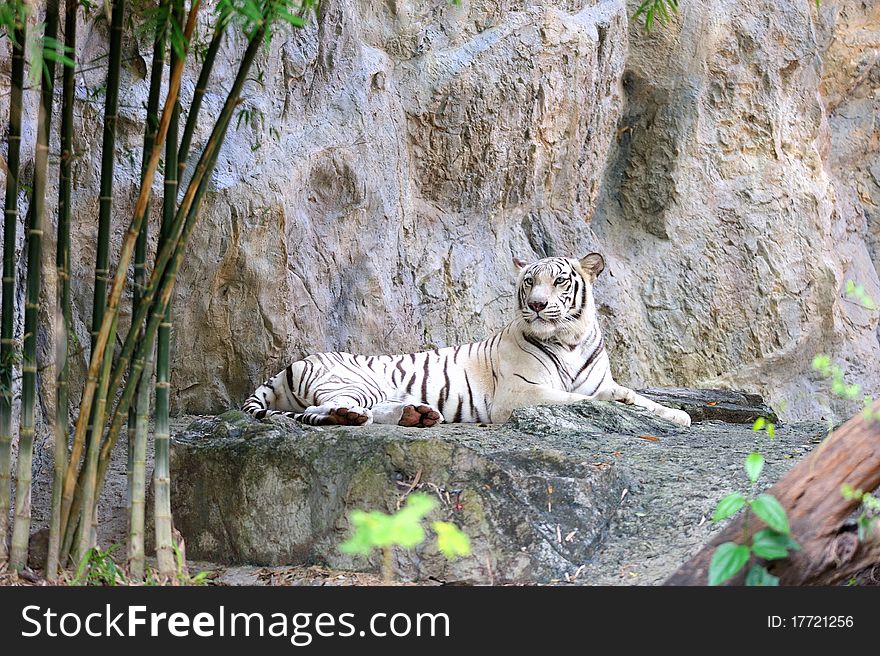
(410, 149)
(394, 156)
(741, 195)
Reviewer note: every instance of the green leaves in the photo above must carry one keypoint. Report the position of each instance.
(451, 540)
(652, 9)
(850, 493)
(771, 511)
(759, 576)
(858, 294)
(870, 508)
(822, 364)
(754, 465)
(12, 17)
(377, 530)
(771, 545)
(177, 37)
(851, 392)
(53, 50)
(761, 423)
(404, 529)
(728, 506)
(727, 560)
(249, 15)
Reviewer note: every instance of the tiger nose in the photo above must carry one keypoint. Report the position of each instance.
(537, 306)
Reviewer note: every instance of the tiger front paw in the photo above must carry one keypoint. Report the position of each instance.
(350, 416)
(420, 416)
(679, 417)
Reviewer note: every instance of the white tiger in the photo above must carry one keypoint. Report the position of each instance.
(552, 353)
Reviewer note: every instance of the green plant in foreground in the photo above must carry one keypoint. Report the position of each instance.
(870, 515)
(761, 423)
(849, 392)
(771, 543)
(377, 530)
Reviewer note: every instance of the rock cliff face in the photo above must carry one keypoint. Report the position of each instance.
(409, 151)
(395, 156)
(740, 197)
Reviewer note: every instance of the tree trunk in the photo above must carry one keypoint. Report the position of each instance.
(818, 513)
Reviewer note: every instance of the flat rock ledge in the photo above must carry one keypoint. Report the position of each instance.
(593, 493)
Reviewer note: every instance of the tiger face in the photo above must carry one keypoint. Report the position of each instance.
(555, 296)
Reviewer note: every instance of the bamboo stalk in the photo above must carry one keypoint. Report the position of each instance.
(21, 528)
(90, 490)
(137, 426)
(188, 208)
(162, 436)
(71, 523)
(89, 493)
(125, 256)
(164, 254)
(201, 87)
(108, 158)
(105, 197)
(62, 310)
(10, 227)
(138, 481)
(139, 358)
(105, 209)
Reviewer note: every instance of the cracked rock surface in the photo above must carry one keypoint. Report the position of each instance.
(594, 493)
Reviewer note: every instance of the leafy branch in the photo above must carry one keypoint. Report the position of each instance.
(771, 543)
(377, 530)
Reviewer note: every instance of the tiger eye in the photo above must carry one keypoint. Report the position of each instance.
(560, 280)
(527, 280)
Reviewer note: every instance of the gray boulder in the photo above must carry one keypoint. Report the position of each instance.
(579, 492)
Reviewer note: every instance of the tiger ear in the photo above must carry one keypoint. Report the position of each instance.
(593, 264)
(518, 263)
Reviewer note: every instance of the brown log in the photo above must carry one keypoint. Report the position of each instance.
(819, 515)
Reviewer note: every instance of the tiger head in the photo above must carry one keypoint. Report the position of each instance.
(555, 296)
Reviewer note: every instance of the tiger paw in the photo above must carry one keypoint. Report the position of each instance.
(420, 416)
(349, 417)
(678, 417)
